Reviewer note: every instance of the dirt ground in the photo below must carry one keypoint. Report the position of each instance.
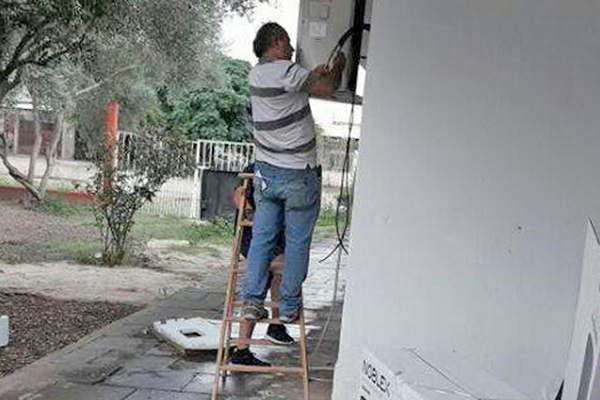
(33, 241)
(21, 229)
(20, 225)
(52, 302)
(40, 325)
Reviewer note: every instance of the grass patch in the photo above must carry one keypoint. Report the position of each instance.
(9, 258)
(206, 237)
(7, 181)
(80, 251)
(218, 232)
(80, 213)
(327, 218)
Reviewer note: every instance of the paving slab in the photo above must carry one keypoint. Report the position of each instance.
(235, 384)
(92, 374)
(203, 362)
(151, 379)
(164, 395)
(71, 391)
(124, 361)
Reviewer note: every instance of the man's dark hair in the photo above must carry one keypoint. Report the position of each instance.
(266, 36)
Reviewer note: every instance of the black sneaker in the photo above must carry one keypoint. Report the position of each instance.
(278, 334)
(246, 357)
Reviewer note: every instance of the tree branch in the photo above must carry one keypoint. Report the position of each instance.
(14, 172)
(51, 148)
(7, 86)
(104, 81)
(14, 63)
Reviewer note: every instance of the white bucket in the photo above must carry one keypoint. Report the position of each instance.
(3, 330)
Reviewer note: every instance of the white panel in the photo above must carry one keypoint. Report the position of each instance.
(479, 166)
(583, 372)
(3, 330)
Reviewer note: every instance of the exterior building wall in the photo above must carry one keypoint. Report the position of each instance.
(478, 167)
(18, 126)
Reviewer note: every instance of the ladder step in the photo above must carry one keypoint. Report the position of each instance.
(270, 304)
(263, 370)
(276, 266)
(242, 271)
(263, 321)
(254, 342)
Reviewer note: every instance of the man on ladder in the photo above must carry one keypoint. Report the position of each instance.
(276, 333)
(287, 179)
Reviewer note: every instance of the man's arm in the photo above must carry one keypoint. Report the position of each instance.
(323, 81)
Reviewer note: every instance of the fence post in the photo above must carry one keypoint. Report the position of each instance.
(110, 142)
(196, 199)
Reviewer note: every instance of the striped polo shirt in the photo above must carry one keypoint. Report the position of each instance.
(284, 129)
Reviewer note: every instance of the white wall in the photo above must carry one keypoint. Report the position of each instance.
(480, 160)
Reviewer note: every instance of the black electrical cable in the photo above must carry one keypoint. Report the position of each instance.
(345, 179)
(345, 193)
(341, 235)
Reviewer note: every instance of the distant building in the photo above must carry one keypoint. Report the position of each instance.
(16, 122)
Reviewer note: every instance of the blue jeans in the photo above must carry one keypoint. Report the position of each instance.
(287, 199)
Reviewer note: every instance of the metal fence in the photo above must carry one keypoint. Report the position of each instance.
(182, 196)
(223, 156)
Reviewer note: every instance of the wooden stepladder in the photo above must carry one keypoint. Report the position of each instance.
(236, 268)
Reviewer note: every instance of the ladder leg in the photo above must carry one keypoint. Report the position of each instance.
(221, 356)
(303, 357)
(225, 331)
(229, 324)
(215, 389)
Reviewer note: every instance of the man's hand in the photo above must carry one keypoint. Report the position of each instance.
(339, 61)
(321, 70)
(326, 80)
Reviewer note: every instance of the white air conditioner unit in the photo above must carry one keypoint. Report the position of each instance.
(582, 378)
(321, 24)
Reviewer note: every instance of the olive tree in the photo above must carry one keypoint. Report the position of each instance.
(131, 45)
(36, 35)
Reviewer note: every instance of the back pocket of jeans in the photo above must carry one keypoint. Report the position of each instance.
(304, 192)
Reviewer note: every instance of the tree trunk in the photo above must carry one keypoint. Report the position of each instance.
(14, 172)
(51, 148)
(4, 89)
(37, 131)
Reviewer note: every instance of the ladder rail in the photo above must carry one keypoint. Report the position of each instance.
(225, 331)
(225, 339)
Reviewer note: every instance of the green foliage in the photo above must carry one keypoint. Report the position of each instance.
(217, 113)
(143, 166)
(42, 33)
